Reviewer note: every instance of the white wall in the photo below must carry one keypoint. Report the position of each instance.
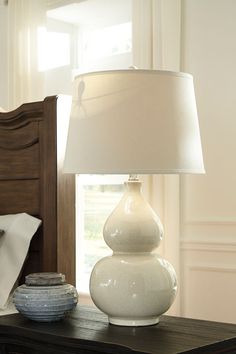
(208, 203)
(3, 56)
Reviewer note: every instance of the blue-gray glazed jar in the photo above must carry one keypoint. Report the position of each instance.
(45, 297)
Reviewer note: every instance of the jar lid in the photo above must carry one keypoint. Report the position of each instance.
(45, 278)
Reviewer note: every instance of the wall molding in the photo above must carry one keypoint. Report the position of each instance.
(211, 221)
(207, 246)
(212, 231)
(210, 268)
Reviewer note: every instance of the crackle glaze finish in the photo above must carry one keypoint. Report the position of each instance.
(134, 286)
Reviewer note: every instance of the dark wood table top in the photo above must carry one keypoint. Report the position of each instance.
(87, 330)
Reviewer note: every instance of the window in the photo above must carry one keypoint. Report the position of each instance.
(96, 198)
(106, 46)
(53, 49)
(80, 37)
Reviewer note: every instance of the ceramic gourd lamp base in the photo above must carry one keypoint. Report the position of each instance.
(134, 286)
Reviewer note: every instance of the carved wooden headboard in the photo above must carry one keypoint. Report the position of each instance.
(31, 181)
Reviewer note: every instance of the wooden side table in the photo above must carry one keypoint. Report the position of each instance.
(87, 331)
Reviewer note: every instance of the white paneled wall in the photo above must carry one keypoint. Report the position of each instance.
(208, 203)
(208, 275)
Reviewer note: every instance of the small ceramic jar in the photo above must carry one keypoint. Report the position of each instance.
(45, 297)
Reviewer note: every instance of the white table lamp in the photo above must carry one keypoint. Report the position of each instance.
(133, 122)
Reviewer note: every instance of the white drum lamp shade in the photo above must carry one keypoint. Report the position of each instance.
(133, 122)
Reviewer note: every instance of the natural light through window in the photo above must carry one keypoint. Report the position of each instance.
(74, 38)
(107, 41)
(105, 48)
(104, 44)
(97, 196)
(53, 49)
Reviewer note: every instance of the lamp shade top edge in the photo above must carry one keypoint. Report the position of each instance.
(136, 71)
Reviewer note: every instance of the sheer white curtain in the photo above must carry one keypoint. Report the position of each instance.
(156, 45)
(26, 83)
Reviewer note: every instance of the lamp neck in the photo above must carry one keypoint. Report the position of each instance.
(133, 185)
(133, 178)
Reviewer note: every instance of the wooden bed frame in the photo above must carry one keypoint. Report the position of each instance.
(31, 180)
